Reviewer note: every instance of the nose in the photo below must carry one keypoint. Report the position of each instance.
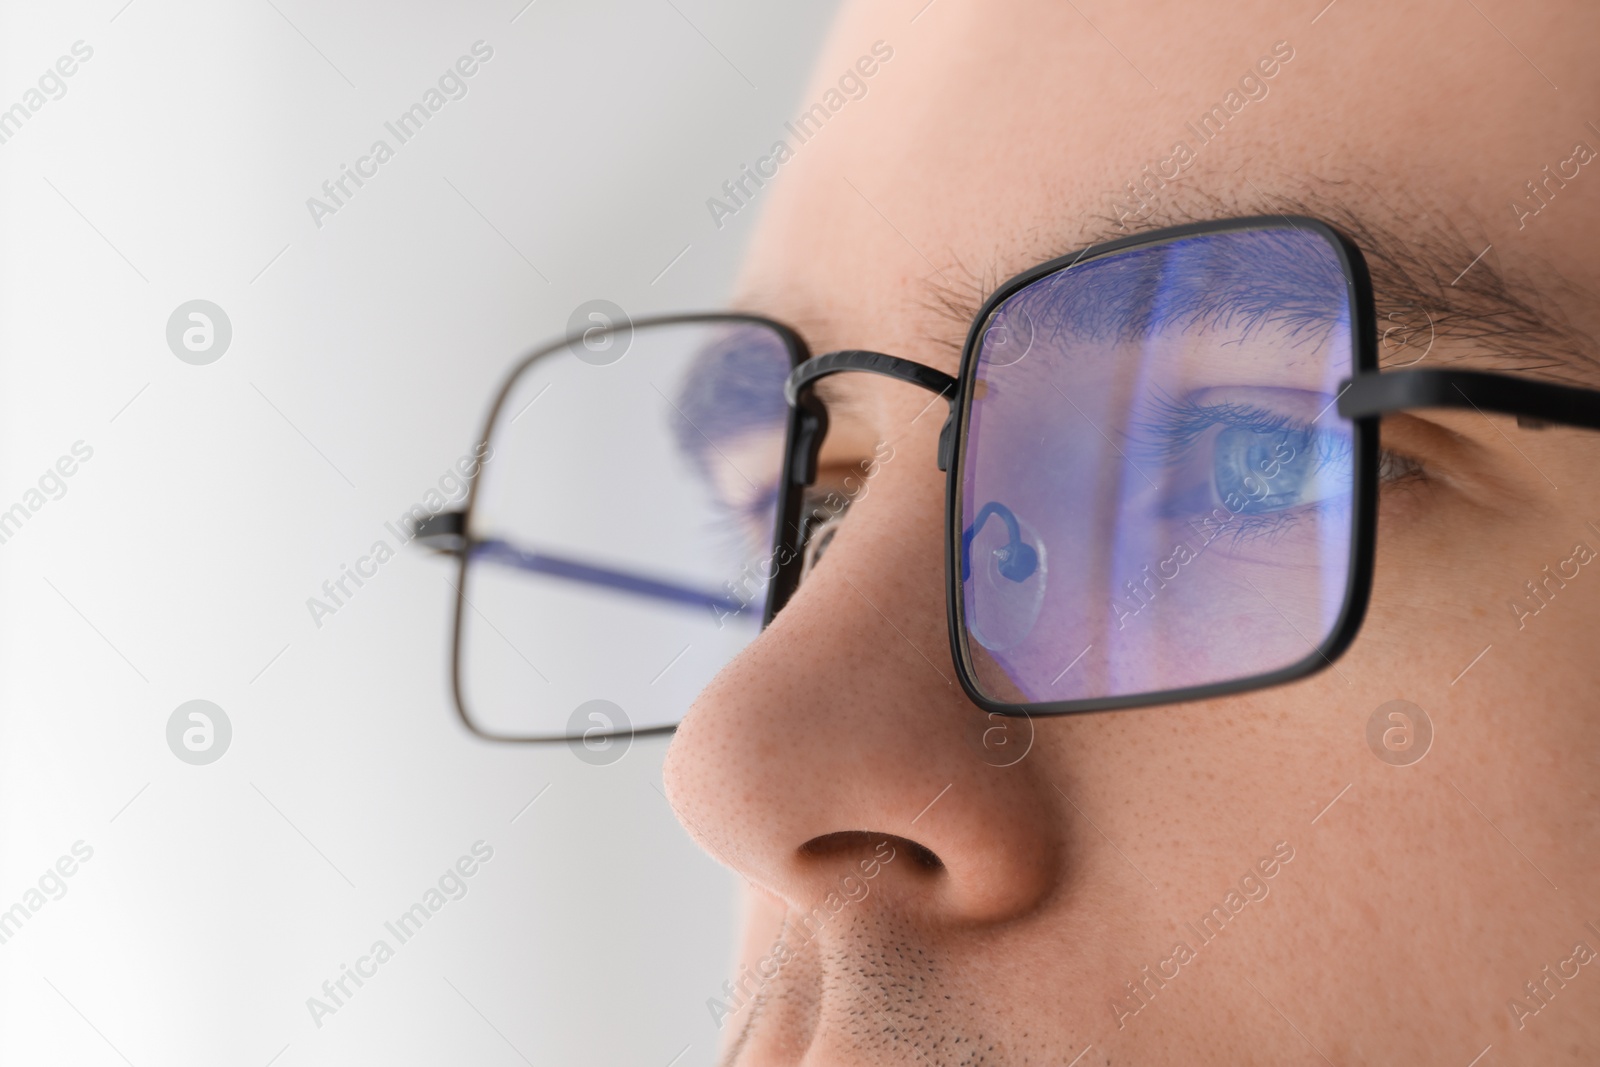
(842, 727)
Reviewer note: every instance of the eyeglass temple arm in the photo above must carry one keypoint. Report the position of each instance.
(444, 532)
(814, 421)
(1534, 403)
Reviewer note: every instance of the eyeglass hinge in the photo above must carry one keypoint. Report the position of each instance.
(444, 531)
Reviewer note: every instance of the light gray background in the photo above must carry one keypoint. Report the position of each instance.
(219, 498)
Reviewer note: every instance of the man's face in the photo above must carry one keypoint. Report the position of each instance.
(1264, 878)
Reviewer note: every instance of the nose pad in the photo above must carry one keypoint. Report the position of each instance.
(1017, 561)
(1003, 575)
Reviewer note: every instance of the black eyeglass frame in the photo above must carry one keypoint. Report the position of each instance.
(953, 440)
(1364, 462)
(1363, 399)
(451, 532)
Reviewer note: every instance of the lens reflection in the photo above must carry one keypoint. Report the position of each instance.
(623, 527)
(1170, 437)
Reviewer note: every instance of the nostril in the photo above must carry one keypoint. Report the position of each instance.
(924, 856)
(846, 841)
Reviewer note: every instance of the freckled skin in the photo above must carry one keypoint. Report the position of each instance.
(1421, 898)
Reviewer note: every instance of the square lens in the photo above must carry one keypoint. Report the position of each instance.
(1156, 494)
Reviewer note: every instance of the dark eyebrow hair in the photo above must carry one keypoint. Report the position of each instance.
(1240, 280)
(1431, 281)
(733, 387)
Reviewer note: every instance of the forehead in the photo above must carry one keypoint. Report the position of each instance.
(999, 135)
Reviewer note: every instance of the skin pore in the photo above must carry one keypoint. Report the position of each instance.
(1031, 908)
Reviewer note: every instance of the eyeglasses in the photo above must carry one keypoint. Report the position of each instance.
(1162, 464)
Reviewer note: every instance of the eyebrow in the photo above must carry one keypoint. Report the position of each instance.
(1239, 280)
(735, 386)
(1439, 295)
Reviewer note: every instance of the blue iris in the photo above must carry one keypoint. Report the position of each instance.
(1259, 471)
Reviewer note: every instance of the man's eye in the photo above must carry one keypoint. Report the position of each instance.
(824, 511)
(1255, 472)
(1199, 459)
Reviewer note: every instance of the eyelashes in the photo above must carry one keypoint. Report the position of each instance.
(1167, 429)
(1266, 470)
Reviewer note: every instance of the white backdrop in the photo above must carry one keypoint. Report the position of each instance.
(168, 913)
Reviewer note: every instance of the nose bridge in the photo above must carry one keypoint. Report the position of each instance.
(812, 424)
(843, 726)
(809, 429)
(865, 362)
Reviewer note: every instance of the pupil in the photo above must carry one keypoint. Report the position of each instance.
(1265, 471)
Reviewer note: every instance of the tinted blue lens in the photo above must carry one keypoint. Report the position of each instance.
(1156, 487)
